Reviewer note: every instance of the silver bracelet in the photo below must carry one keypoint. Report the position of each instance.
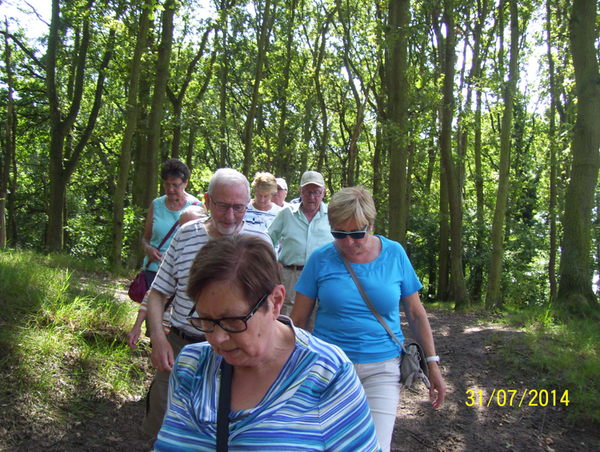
(431, 359)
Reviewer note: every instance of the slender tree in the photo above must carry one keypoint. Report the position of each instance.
(131, 113)
(575, 289)
(397, 113)
(65, 155)
(459, 287)
(493, 297)
(282, 160)
(156, 113)
(223, 80)
(177, 98)
(260, 59)
(553, 161)
(6, 156)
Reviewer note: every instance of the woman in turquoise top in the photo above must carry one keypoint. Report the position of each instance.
(164, 213)
(343, 318)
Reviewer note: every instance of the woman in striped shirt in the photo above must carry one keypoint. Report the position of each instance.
(289, 390)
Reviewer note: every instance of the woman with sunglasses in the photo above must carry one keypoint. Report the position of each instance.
(288, 390)
(344, 319)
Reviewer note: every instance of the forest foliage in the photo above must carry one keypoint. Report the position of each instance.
(466, 119)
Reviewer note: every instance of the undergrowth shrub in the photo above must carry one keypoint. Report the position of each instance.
(62, 345)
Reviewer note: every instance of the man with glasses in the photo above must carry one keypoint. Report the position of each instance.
(301, 228)
(227, 199)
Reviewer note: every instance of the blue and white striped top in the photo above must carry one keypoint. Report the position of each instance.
(316, 404)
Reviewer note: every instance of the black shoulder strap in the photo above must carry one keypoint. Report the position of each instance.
(224, 407)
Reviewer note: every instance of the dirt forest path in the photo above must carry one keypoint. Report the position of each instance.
(469, 348)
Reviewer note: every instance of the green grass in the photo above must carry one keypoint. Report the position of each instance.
(564, 354)
(62, 342)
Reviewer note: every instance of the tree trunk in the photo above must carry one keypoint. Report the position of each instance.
(397, 108)
(281, 155)
(158, 99)
(223, 77)
(319, 91)
(63, 164)
(178, 98)
(575, 292)
(130, 126)
(262, 51)
(554, 96)
(443, 286)
(377, 179)
(476, 282)
(493, 298)
(7, 157)
(476, 276)
(459, 287)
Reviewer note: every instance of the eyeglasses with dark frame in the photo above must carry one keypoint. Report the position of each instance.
(167, 185)
(229, 324)
(224, 207)
(354, 235)
(315, 193)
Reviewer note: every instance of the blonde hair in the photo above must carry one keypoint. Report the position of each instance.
(265, 182)
(352, 203)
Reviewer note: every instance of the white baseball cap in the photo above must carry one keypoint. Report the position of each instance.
(281, 183)
(312, 177)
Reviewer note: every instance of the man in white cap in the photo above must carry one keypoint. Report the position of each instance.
(301, 228)
(282, 191)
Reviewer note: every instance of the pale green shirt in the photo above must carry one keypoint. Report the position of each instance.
(299, 238)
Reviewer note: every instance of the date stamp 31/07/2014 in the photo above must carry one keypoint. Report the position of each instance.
(518, 398)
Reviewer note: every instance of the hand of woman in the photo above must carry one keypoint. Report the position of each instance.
(437, 384)
(421, 329)
(153, 254)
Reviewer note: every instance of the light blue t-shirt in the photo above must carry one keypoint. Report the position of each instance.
(343, 318)
(163, 220)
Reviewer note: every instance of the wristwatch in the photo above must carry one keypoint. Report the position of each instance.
(430, 359)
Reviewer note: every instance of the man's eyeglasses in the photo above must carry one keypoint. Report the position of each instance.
(167, 186)
(315, 193)
(229, 324)
(354, 235)
(224, 207)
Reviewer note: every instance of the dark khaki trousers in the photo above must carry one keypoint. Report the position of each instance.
(156, 400)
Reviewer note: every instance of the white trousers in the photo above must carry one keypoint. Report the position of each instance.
(381, 382)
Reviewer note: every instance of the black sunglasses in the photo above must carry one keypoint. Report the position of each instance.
(354, 235)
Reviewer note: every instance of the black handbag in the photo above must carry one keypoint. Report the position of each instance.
(412, 363)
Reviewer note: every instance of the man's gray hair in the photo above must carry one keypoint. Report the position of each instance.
(228, 177)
